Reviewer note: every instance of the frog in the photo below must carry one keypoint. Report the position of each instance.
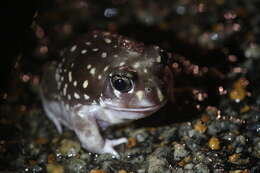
(104, 79)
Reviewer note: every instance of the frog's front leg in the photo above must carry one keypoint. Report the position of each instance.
(87, 130)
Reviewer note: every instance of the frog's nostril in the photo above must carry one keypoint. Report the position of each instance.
(148, 89)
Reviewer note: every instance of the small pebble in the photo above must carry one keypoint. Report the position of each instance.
(122, 171)
(205, 118)
(238, 93)
(97, 171)
(131, 142)
(200, 127)
(244, 109)
(233, 158)
(51, 158)
(184, 161)
(202, 168)
(179, 151)
(69, 148)
(55, 168)
(75, 165)
(41, 140)
(157, 161)
(240, 171)
(214, 143)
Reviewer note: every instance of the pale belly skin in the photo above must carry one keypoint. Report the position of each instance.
(89, 99)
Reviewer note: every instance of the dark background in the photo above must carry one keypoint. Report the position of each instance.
(16, 17)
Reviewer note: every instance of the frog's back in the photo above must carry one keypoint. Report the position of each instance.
(82, 72)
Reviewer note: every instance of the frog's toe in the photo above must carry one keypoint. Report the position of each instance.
(115, 142)
(109, 144)
(111, 150)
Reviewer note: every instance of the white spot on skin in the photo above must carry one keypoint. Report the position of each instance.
(67, 106)
(99, 77)
(115, 46)
(58, 85)
(86, 97)
(106, 68)
(89, 66)
(104, 55)
(93, 71)
(70, 76)
(136, 65)
(85, 84)
(73, 48)
(75, 83)
(107, 40)
(95, 49)
(72, 65)
(122, 63)
(62, 78)
(159, 94)
(140, 94)
(88, 43)
(158, 59)
(83, 51)
(69, 97)
(57, 76)
(76, 96)
(145, 70)
(115, 56)
(64, 91)
(95, 35)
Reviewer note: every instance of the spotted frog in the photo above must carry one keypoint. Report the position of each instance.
(104, 79)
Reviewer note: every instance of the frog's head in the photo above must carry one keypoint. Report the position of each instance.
(138, 84)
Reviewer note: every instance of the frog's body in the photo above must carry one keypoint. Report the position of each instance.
(103, 79)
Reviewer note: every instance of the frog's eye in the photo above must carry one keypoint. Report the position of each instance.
(121, 83)
(165, 60)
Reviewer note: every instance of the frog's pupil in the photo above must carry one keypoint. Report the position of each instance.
(122, 84)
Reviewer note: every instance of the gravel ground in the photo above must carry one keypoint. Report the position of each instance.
(213, 124)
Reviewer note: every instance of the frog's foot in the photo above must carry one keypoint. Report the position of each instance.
(109, 145)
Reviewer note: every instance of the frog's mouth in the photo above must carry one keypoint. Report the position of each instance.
(151, 108)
